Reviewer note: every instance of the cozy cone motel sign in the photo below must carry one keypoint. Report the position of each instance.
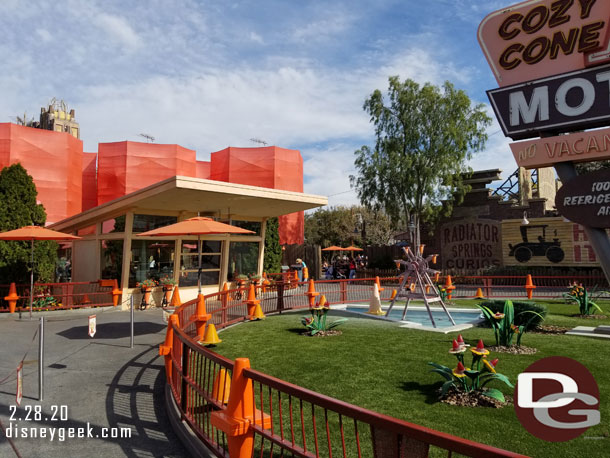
(551, 59)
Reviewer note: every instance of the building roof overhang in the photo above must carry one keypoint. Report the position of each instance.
(197, 195)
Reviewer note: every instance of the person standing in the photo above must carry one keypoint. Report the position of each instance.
(302, 272)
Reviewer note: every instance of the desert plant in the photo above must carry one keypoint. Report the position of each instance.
(473, 378)
(317, 321)
(521, 318)
(503, 323)
(580, 295)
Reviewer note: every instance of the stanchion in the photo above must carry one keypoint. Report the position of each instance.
(131, 318)
(41, 359)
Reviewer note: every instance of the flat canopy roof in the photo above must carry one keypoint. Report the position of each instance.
(195, 195)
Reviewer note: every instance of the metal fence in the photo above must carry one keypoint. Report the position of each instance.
(62, 295)
(238, 411)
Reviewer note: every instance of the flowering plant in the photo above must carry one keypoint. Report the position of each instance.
(473, 378)
(442, 292)
(167, 281)
(317, 321)
(580, 295)
(503, 323)
(148, 283)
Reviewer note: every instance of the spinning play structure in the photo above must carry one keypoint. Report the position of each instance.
(416, 283)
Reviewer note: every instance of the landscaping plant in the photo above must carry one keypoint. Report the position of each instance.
(317, 321)
(503, 323)
(580, 295)
(474, 378)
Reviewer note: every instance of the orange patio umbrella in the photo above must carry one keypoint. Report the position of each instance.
(333, 248)
(353, 248)
(198, 226)
(32, 233)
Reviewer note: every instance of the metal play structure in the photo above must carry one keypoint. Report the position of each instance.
(415, 283)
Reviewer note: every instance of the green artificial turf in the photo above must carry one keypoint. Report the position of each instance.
(382, 367)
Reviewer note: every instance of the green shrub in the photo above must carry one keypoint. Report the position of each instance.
(521, 318)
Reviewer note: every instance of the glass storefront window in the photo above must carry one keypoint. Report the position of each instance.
(243, 259)
(151, 259)
(113, 226)
(112, 260)
(143, 223)
(210, 262)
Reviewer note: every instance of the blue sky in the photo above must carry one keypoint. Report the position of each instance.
(212, 74)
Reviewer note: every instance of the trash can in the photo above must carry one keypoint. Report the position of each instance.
(299, 270)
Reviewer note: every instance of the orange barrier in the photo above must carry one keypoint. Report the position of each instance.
(255, 398)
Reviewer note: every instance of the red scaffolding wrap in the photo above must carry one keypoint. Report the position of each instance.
(203, 169)
(89, 181)
(125, 167)
(53, 159)
(269, 167)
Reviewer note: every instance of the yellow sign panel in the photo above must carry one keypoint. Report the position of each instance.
(546, 242)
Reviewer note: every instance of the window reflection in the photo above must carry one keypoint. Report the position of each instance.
(243, 259)
(151, 259)
(210, 262)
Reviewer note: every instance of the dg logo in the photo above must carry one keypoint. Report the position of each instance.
(557, 399)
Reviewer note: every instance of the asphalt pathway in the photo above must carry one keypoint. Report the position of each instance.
(97, 386)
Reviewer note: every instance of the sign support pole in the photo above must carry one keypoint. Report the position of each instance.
(41, 359)
(131, 322)
(597, 237)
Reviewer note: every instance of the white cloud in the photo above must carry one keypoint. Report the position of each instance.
(44, 35)
(256, 38)
(118, 30)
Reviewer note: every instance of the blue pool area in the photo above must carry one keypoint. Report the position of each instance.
(420, 316)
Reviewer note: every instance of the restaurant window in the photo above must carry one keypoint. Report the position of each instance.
(210, 262)
(114, 225)
(143, 223)
(112, 260)
(243, 259)
(152, 259)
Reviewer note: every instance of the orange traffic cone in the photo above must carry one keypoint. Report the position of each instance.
(311, 293)
(12, 298)
(85, 299)
(116, 293)
(201, 316)
(529, 286)
(375, 302)
(378, 284)
(479, 294)
(258, 313)
(222, 386)
(211, 336)
(394, 293)
(176, 302)
(449, 286)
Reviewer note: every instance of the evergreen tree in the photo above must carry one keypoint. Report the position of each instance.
(272, 262)
(18, 208)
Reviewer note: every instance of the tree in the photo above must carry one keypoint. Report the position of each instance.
(346, 225)
(424, 136)
(18, 208)
(272, 261)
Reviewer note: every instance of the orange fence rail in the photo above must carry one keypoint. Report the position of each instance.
(61, 296)
(239, 412)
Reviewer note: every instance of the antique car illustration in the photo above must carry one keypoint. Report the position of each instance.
(524, 251)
